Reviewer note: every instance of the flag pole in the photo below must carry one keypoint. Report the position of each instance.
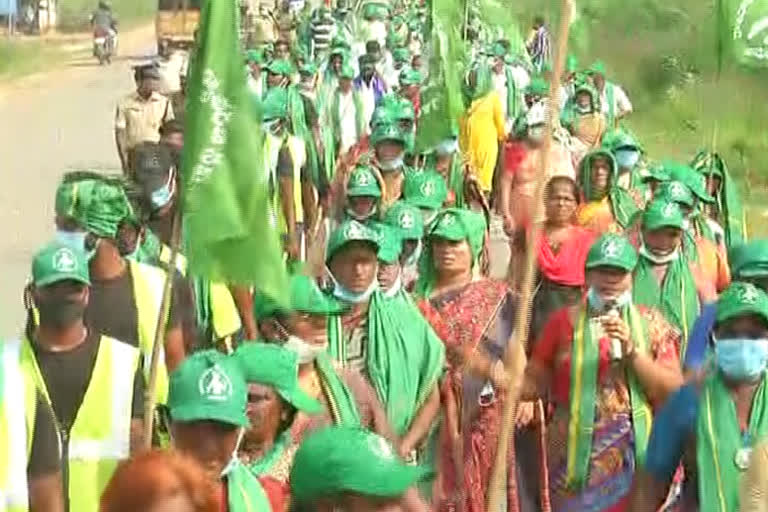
(515, 358)
(150, 397)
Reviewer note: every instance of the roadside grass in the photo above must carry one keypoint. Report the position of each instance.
(74, 14)
(22, 57)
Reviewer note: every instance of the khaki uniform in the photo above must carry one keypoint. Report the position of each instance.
(141, 119)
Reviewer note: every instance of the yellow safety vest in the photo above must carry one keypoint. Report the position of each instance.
(101, 434)
(225, 317)
(17, 426)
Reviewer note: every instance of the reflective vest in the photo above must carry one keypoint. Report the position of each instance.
(17, 424)
(100, 436)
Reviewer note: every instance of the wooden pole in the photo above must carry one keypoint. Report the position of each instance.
(165, 306)
(515, 358)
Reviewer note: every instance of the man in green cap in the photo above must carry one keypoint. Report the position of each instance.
(426, 190)
(83, 375)
(389, 144)
(347, 112)
(366, 476)
(363, 194)
(401, 56)
(279, 73)
(712, 423)
(614, 102)
(208, 401)
(408, 219)
(402, 360)
(125, 296)
(410, 88)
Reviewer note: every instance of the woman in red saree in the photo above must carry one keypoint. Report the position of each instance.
(473, 316)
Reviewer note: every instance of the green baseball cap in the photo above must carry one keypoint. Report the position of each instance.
(362, 182)
(275, 104)
(347, 71)
(749, 259)
(692, 179)
(208, 386)
(661, 213)
(611, 250)
(401, 55)
(281, 67)
(389, 131)
(619, 138)
(305, 297)
(538, 87)
(255, 56)
(350, 231)
(58, 262)
(675, 191)
(597, 68)
(338, 460)
(741, 299)
(407, 218)
(410, 77)
(656, 172)
(276, 367)
(426, 189)
(459, 224)
(308, 68)
(390, 242)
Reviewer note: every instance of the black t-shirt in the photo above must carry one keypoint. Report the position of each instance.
(44, 459)
(112, 307)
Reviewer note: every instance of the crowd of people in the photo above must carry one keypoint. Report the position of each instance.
(381, 385)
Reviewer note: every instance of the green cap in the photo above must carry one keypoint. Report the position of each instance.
(661, 213)
(749, 259)
(362, 182)
(275, 104)
(675, 191)
(619, 138)
(339, 460)
(741, 299)
(280, 67)
(350, 231)
(426, 189)
(308, 68)
(459, 224)
(389, 131)
(401, 55)
(498, 50)
(695, 181)
(305, 297)
(611, 250)
(597, 68)
(407, 218)
(255, 56)
(656, 172)
(208, 386)
(538, 87)
(276, 367)
(571, 64)
(347, 71)
(97, 204)
(390, 242)
(57, 262)
(410, 76)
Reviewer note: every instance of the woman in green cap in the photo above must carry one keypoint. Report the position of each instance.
(582, 117)
(605, 361)
(447, 161)
(713, 423)
(407, 218)
(400, 356)
(606, 207)
(427, 190)
(362, 195)
(473, 317)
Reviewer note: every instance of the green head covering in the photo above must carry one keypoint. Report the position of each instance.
(208, 386)
(97, 205)
(278, 368)
(611, 250)
(407, 218)
(692, 179)
(362, 182)
(741, 299)
(749, 259)
(538, 87)
(347, 71)
(305, 297)
(675, 191)
(498, 50)
(367, 465)
(401, 55)
(389, 131)
(255, 56)
(661, 213)
(571, 64)
(458, 224)
(618, 138)
(57, 262)
(410, 77)
(656, 172)
(390, 243)
(375, 11)
(280, 67)
(426, 189)
(586, 171)
(275, 104)
(350, 231)
(597, 68)
(308, 68)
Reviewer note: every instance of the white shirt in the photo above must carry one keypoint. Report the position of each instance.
(500, 85)
(621, 103)
(347, 122)
(369, 103)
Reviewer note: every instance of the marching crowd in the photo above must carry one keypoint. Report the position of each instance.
(381, 384)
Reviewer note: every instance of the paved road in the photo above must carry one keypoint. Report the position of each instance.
(48, 124)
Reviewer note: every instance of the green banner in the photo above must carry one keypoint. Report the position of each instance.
(743, 27)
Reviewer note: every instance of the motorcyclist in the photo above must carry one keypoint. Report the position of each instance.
(104, 22)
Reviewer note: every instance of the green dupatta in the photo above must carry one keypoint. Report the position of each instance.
(341, 401)
(359, 114)
(584, 368)
(677, 297)
(404, 359)
(512, 108)
(718, 438)
(245, 493)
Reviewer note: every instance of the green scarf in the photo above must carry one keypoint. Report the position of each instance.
(245, 492)
(731, 211)
(677, 296)
(359, 119)
(264, 464)
(512, 108)
(404, 359)
(609, 97)
(341, 401)
(584, 368)
(718, 438)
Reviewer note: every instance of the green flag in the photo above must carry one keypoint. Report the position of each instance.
(230, 232)
(743, 31)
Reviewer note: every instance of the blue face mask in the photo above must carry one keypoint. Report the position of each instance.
(627, 158)
(447, 147)
(75, 240)
(345, 295)
(741, 359)
(598, 303)
(161, 196)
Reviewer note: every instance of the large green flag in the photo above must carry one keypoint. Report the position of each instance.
(230, 232)
(743, 31)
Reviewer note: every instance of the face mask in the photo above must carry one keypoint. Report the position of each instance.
(60, 312)
(741, 359)
(391, 165)
(272, 126)
(646, 253)
(584, 109)
(627, 158)
(341, 293)
(447, 147)
(395, 288)
(306, 352)
(233, 458)
(598, 303)
(75, 240)
(361, 218)
(162, 196)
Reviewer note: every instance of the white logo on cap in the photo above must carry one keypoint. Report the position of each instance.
(354, 231)
(64, 260)
(362, 179)
(749, 294)
(407, 221)
(214, 384)
(428, 188)
(447, 220)
(611, 248)
(668, 210)
(677, 190)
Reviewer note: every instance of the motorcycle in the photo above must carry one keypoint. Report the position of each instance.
(103, 45)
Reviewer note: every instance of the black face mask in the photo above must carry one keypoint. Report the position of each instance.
(60, 312)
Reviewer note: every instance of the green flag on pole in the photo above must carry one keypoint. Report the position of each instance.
(743, 31)
(230, 232)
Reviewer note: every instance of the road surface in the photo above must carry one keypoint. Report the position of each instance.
(50, 123)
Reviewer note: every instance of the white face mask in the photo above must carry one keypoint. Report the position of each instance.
(234, 460)
(599, 303)
(306, 352)
(391, 165)
(341, 293)
(648, 254)
(364, 217)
